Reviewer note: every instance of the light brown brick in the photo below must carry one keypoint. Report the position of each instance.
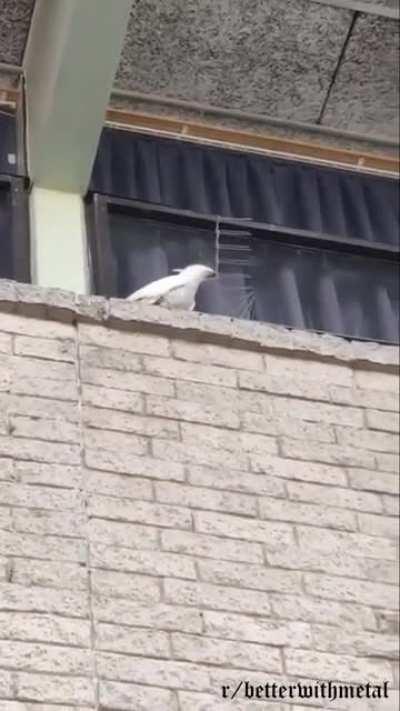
(48, 600)
(45, 429)
(212, 395)
(30, 656)
(128, 640)
(219, 416)
(244, 576)
(118, 441)
(140, 589)
(190, 452)
(339, 454)
(334, 496)
(365, 398)
(198, 544)
(242, 442)
(136, 466)
(236, 481)
(38, 368)
(5, 343)
(374, 380)
(48, 573)
(379, 420)
(312, 514)
(112, 399)
(128, 535)
(124, 487)
(12, 323)
(143, 512)
(216, 597)
(366, 480)
(202, 498)
(367, 439)
(334, 666)
(118, 696)
(210, 374)
(378, 525)
(41, 387)
(49, 349)
(152, 672)
(118, 359)
(45, 547)
(55, 689)
(311, 609)
(387, 462)
(359, 591)
(339, 641)
(271, 533)
(289, 427)
(207, 650)
(133, 342)
(295, 387)
(257, 629)
(356, 544)
(153, 615)
(47, 629)
(61, 410)
(217, 355)
(147, 562)
(298, 470)
(391, 505)
(310, 369)
(135, 382)
(295, 558)
(104, 419)
(44, 523)
(55, 475)
(39, 451)
(38, 497)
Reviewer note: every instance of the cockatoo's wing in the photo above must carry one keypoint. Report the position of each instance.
(154, 291)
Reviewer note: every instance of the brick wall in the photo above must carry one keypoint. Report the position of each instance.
(177, 515)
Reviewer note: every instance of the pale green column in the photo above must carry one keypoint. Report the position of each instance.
(58, 240)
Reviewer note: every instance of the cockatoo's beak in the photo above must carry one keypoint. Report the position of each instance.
(211, 275)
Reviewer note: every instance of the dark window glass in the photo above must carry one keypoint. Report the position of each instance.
(279, 277)
(14, 230)
(8, 143)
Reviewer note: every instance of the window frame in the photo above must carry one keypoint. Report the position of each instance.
(104, 278)
(19, 219)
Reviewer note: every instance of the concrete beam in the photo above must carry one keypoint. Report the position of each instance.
(70, 62)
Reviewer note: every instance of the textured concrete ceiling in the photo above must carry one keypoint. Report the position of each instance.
(303, 60)
(15, 17)
(299, 60)
(365, 94)
(269, 57)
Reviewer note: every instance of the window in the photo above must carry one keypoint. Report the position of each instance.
(343, 280)
(14, 229)
(14, 211)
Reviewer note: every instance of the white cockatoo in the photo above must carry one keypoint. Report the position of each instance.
(177, 291)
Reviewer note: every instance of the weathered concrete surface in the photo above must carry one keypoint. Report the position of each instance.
(365, 95)
(268, 57)
(15, 16)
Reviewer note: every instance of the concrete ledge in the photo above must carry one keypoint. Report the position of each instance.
(59, 305)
